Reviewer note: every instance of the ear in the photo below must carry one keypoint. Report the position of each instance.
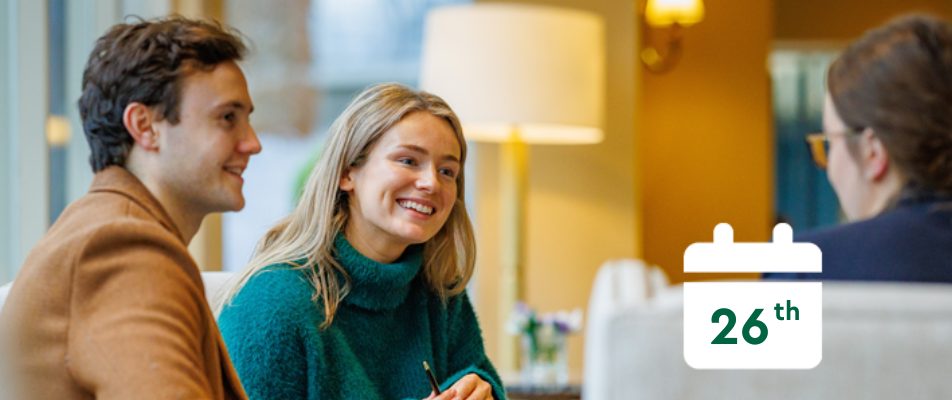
(347, 180)
(139, 122)
(875, 155)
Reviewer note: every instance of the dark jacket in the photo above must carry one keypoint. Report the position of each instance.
(912, 242)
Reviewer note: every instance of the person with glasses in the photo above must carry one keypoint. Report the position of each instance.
(887, 150)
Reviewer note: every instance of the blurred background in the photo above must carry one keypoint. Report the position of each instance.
(716, 138)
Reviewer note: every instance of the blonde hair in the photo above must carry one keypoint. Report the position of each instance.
(308, 233)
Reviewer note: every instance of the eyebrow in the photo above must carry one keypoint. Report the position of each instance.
(419, 149)
(235, 104)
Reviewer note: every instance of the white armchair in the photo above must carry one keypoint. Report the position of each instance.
(880, 341)
(4, 290)
(215, 284)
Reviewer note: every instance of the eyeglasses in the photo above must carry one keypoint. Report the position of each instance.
(819, 144)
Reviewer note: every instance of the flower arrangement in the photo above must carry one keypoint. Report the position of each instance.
(543, 341)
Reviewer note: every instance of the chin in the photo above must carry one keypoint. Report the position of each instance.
(416, 237)
(231, 204)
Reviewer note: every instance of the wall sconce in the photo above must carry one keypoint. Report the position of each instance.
(671, 15)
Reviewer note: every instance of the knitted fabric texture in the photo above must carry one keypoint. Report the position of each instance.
(385, 327)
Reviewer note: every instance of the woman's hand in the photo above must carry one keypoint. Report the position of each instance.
(469, 387)
(472, 387)
(446, 395)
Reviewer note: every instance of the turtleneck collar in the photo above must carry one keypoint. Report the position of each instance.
(374, 285)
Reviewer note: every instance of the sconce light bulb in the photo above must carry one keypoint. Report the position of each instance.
(650, 56)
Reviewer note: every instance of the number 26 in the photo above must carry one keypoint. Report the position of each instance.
(752, 321)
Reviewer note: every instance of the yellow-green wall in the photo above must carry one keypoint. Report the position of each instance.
(843, 20)
(705, 136)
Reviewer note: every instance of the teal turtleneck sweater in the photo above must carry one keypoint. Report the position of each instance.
(384, 329)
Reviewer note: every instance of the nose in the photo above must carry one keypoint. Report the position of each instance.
(250, 143)
(428, 180)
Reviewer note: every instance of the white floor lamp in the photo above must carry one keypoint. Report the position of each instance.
(517, 75)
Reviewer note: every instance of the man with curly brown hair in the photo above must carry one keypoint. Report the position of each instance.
(109, 304)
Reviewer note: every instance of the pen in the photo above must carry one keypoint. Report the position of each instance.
(429, 375)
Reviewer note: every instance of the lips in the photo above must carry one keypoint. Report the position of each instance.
(236, 170)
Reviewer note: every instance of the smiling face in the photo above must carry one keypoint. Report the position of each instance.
(205, 153)
(404, 190)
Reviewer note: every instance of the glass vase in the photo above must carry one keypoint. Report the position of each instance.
(545, 358)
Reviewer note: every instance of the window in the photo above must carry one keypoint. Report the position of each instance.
(804, 197)
(43, 49)
(23, 200)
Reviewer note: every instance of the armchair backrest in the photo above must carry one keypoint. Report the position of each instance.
(880, 341)
(4, 290)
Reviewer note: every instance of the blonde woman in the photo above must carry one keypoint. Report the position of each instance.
(348, 295)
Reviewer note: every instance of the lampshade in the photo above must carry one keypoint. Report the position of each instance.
(535, 70)
(667, 12)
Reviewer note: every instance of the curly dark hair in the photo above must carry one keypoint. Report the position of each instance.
(145, 62)
(897, 80)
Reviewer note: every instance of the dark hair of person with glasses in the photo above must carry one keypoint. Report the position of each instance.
(887, 149)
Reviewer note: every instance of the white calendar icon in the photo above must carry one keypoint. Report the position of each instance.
(753, 324)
